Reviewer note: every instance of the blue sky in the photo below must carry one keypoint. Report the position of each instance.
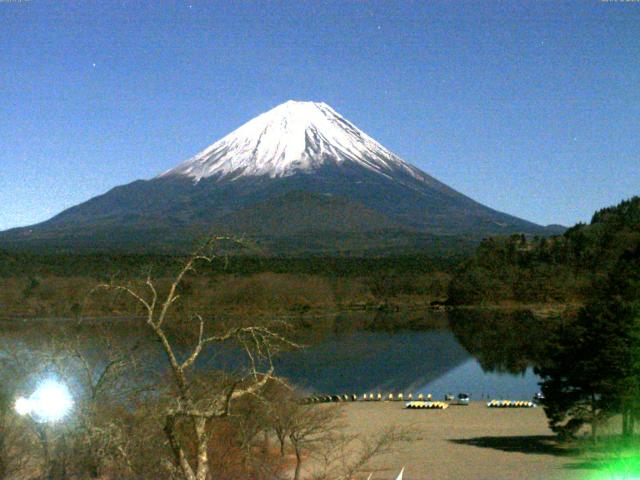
(531, 108)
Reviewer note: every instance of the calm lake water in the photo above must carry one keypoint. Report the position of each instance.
(487, 355)
(411, 362)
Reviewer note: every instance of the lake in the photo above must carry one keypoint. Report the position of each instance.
(484, 354)
(411, 362)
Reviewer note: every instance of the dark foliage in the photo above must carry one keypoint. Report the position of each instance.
(564, 268)
(507, 342)
(592, 367)
(19, 264)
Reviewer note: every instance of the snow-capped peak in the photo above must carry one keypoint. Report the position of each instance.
(292, 137)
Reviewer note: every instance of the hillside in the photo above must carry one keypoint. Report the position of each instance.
(297, 179)
(563, 268)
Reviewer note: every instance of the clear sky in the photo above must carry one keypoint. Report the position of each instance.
(529, 107)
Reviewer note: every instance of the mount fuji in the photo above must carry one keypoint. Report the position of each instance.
(299, 178)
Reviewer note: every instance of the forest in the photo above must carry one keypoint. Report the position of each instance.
(504, 271)
(563, 269)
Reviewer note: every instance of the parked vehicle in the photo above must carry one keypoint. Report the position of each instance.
(463, 399)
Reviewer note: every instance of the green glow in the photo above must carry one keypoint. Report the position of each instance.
(623, 468)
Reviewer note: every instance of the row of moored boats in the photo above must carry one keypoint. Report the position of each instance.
(422, 401)
(461, 399)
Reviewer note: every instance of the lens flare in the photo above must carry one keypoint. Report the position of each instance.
(23, 406)
(624, 468)
(51, 402)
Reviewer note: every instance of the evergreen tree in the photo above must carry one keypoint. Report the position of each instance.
(592, 369)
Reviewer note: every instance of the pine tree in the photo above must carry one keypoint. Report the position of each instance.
(592, 370)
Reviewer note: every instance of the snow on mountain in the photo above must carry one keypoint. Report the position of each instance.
(290, 138)
(299, 178)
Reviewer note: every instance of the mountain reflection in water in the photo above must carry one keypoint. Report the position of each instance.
(417, 362)
(485, 354)
(365, 361)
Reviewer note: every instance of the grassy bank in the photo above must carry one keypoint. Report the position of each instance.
(55, 296)
(257, 293)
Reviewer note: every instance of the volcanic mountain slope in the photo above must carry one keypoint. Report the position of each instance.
(298, 172)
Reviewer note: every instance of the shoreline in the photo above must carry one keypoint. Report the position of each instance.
(464, 442)
(544, 310)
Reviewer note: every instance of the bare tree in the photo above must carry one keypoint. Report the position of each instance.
(15, 436)
(346, 457)
(188, 417)
(105, 379)
(310, 426)
(315, 432)
(282, 407)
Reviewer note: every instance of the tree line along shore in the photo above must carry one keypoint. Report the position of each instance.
(504, 271)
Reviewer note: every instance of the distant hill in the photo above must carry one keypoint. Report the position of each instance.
(557, 269)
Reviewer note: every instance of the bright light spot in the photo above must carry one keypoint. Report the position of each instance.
(23, 406)
(49, 403)
(626, 467)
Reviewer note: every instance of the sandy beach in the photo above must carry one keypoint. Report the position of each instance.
(465, 442)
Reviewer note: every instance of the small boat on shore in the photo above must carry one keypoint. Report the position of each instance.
(417, 404)
(510, 404)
